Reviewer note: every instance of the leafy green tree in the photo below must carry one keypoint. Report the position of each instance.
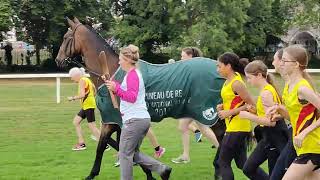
(167, 25)
(239, 26)
(145, 23)
(160, 27)
(34, 15)
(79, 9)
(42, 22)
(215, 27)
(5, 15)
(265, 18)
(305, 13)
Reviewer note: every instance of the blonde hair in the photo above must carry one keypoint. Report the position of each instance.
(298, 53)
(257, 66)
(77, 71)
(131, 52)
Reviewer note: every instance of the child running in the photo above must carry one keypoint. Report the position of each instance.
(301, 104)
(235, 97)
(274, 134)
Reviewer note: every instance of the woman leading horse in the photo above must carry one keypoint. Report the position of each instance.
(80, 40)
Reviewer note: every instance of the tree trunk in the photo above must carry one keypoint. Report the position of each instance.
(38, 54)
(55, 51)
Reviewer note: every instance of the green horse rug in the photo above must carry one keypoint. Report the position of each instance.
(183, 89)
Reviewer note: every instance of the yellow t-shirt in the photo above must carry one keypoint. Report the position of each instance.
(302, 115)
(88, 101)
(232, 101)
(260, 108)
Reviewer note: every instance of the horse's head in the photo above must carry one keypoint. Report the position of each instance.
(69, 47)
(83, 40)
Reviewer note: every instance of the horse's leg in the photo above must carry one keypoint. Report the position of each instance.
(118, 134)
(105, 138)
(115, 143)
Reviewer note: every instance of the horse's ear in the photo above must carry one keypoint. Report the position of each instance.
(76, 20)
(71, 23)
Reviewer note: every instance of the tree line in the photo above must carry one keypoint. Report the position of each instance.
(162, 27)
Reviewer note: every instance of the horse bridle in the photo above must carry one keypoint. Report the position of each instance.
(73, 42)
(70, 59)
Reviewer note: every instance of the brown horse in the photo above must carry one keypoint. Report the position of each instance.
(80, 40)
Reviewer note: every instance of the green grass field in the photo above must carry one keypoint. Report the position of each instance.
(36, 136)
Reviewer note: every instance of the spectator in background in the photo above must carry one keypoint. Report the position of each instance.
(8, 49)
(187, 123)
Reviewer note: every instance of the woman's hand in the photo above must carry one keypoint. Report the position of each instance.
(298, 139)
(219, 107)
(104, 79)
(70, 98)
(111, 85)
(251, 109)
(224, 114)
(273, 109)
(275, 117)
(273, 113)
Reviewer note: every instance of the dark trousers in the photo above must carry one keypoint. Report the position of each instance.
(271, 141)
(261, 153)
(234, 146)
(288, 154)
(219, 130)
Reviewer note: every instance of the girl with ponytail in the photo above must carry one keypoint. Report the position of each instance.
(235, 97)
(301, 104)
(273, 134)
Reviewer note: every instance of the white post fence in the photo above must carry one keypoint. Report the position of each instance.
(308, 70)
(64, 75)
(58, 89)
(33, 76)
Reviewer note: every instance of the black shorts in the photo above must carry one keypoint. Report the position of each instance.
(88, 113)
(304, 158)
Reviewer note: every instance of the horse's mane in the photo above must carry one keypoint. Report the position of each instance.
(107, 48)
